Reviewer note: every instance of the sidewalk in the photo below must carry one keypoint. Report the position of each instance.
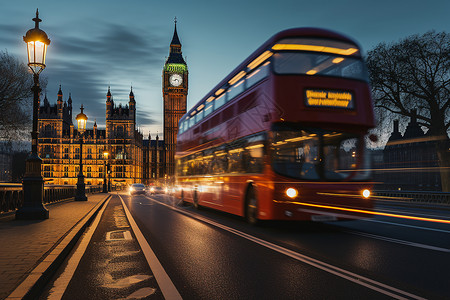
(25, 245)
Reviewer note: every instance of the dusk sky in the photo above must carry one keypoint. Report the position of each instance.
(96, 44)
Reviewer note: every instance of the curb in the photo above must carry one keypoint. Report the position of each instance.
(31, 287)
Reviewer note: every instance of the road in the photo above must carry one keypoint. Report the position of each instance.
(211, 255)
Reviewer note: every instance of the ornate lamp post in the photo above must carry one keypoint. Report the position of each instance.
(81, 187)
(105, 187)
(33, 183)
(109, 176)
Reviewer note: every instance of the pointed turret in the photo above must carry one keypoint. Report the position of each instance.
(69, 106)
(132, 106)
(46, 100)
(175, 55)
(108, 94)
(132, 95)
(109, 104)
(413, 129)
(175, 39)
(60, 94)
(95, 129)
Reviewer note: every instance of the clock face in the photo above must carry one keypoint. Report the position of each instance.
(175, 79)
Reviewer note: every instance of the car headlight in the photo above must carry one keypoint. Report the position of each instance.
(366, 193)
(291, 192)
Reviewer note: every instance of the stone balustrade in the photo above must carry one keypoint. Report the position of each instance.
(11, 195)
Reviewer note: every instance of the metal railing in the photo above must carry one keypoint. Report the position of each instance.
(11, 195)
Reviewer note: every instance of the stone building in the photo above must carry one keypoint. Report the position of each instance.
(175, 90)
(130, 157)
(59, 144)
(410, 161)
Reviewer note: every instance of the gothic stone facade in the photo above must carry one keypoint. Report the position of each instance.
(59, 145)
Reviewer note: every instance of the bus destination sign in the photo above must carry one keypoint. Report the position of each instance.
(329, 98)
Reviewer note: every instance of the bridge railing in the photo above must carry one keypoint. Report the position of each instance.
(11, 195)
(420, 197)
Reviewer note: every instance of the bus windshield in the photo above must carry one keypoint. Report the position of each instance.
(319, 64)
(316, 154)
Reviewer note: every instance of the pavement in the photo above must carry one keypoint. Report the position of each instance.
(31, 250)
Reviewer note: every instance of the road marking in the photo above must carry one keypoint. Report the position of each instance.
(60, 285)
(118, 235)
(353, 277)
(126, 282)
(406, 225)
(392, 240)
(165, 283)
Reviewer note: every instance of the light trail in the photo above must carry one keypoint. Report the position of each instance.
(342, 273)
(370, 212)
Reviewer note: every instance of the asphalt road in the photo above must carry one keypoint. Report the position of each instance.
(212, 255)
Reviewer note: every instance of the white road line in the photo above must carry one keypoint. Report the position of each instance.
(60, 285)
(392, 240)
(353, 277)
(167, 287)
(406, 225)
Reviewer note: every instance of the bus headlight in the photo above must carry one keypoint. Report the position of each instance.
(366, 194)
(291, 192)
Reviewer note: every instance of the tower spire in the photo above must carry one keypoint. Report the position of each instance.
(175, 39)
(175, 55)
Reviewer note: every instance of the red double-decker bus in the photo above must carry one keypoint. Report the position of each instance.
(282, 137)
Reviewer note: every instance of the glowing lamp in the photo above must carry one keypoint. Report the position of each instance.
(81, 120)
(291, 192)
(37, 42)
(366, 194)
(105, 154)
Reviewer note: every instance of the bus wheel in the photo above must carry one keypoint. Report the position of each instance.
(251, 207)
(196, 206)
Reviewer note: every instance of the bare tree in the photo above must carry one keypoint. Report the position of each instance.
(412, 78)
(15, 95)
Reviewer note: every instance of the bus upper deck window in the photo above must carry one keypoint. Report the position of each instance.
(319, 64)
(219, 101)
(258, 74)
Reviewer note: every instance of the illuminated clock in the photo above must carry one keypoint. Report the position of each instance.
(175, 79)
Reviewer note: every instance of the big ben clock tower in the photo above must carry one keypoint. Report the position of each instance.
(175, 89)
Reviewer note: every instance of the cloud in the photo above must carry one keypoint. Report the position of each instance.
(85, 58)
(86, 63)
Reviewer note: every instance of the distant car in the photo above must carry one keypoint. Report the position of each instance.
(156, 190)
(137, 188)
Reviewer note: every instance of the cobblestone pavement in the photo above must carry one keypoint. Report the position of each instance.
(25, 243)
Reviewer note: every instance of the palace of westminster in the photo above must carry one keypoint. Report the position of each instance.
(119, 150)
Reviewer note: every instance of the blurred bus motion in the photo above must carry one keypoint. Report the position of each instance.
(282, 137)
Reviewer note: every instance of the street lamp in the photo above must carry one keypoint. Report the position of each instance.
(81, 187)
(33, 183)
(105, 156)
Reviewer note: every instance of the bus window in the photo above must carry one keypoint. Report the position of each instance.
(319, 64)
(191, 121)
(296, 154)
(199, 116)
(317, 154)
(246, 155)
(219, 101)
(219, 161)
(208, 108)
(235, 90)
(258, 74)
